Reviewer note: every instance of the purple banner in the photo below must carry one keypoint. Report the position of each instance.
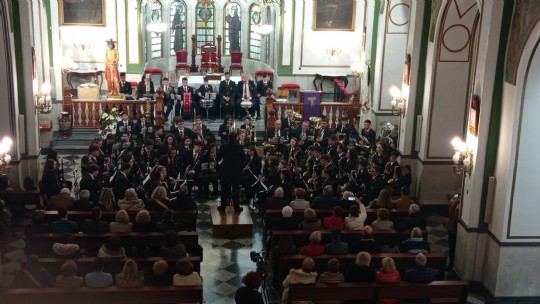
(312, 104)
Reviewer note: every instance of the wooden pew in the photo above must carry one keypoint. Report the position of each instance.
(404, 261)
(41, 243)
(115, 265)
(139, 295)
(301, 237)
(16, 200)
(437, 291)
(187, 220)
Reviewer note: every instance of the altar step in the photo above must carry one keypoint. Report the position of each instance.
(230, 224)
(77, 143)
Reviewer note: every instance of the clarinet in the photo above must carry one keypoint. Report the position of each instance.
(75, 185)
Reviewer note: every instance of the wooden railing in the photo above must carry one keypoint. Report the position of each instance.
(331, 110)
(86, 113)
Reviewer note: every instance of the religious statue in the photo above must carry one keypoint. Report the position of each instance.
(111, 68)
(178, 27)
(234, 30)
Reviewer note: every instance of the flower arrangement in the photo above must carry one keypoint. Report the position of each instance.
(109, 118)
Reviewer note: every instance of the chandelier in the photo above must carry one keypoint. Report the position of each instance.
(5, 158)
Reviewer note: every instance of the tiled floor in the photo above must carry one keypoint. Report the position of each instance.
(224, 260)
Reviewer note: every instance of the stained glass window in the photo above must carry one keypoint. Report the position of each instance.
(204, 27)
(255, 18)
(178, 26)
(232, 26)
(156, 38)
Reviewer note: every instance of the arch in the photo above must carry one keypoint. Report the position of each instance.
(232, 25)
(179, 26)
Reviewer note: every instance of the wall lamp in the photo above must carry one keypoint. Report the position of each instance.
(399, 100)
(463, 157)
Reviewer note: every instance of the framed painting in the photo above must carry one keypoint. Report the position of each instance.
(334, 15)
(474, 115)
(82, 12)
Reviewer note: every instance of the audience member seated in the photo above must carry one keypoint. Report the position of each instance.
(383, 221)
(332, 275)
(171, 246)
(139, 249)
(249, 293)
(421, 273)
(285, 247)
(336, 246)
(160, 274)
(29, 184)
(388, 273)
(361, 272)
(130, 275)
(143, 222)
(66, 248)
(158, 201)
(5, 184)
(167, 223)
(186, 274)
(335, 221)
(327, 201)
(300, 199)
(348, 200)
(121, 222)
(38, 224)
(276, 201)
(68, 276)
(310, 222)
(95, 224)
(314, 247)
(366, 243)
(305, 275)
(404, 201)
(63, 225)
(183, 201)
(416, 244)
(63, 199)
(98, 278)
(131, 202)
(32, 275)
(112, 248)
(107, 202)
(287, 222)
(356, 218)
(83, 203)
(384, 200)
(415, 219)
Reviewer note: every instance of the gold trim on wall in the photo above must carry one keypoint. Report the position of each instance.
(63, 23)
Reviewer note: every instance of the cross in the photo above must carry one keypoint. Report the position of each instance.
(312, 101)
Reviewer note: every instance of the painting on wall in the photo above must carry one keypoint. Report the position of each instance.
(474, 115)
(82, 12)
(407, 70)
(334, 15)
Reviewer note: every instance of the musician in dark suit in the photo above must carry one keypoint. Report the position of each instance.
(369, 133)
(343, 128)
(250, 172)
(179, 131)
(278, 136)
(201, 94)
(190, 166)
(141, 87)
(323, 133)
(286, 121)
(168, 97)
(262, 87)
(185, 88)
(125, 125)
(227, 94)
(90, 182)
(143, 128)
(375, 187)
(304, 135)
(120, 182)
(211, 171)
(125, 86)
(225, 128)
(246, 90)
(232, 156)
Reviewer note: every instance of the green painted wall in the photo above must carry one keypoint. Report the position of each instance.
(19, 55)
(375, 31)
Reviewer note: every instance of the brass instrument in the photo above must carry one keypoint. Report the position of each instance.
(315, 127)
(148, 108)
(342, 137)
(296, 119)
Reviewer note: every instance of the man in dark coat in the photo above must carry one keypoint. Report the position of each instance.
(232, 157)
(120, 182)
(95, 224)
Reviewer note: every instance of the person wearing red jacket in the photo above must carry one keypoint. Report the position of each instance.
(336, 221)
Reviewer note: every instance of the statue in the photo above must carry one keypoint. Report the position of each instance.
(178, 27)
(234, 30)
(111, 68)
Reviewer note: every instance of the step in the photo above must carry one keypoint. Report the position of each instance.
(230, 224)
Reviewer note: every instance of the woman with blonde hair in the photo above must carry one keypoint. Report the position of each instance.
(121, 222)
(383, 221)
(388, 273)
(143, 222)
(361, 270)
(305, 275)
(384, 200)
(159, 200)
(107, 202)
(130, 275)
(310, 222)
(131, 201)
(314, 247)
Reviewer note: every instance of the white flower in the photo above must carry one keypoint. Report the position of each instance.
(113, 109)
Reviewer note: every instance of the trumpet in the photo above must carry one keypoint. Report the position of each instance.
(342, 137)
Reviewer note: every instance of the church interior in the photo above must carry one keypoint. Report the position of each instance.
(374, 83)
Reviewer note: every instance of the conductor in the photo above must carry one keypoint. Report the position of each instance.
(232, 157)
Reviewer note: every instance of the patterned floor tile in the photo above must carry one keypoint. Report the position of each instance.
(224, 289)
(234, 245)
(15, 255)
(222, 275)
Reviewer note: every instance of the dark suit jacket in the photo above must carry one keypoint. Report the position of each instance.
(240, 91)
(187, 161)
(262, 87)
(168, 94)
(371, 135)
(176, 133)
(255, 165)
(271, 133)
(126, 88)
(367, 244)
(189, 90)
(204, 90)
(141, 89)
(119, 185)
(227, 90)
(92, 185)
(49, 183)
(324, 202)
(119, 129)
(94, 226)
(326, 132)
(376, 186)
(232, 155)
